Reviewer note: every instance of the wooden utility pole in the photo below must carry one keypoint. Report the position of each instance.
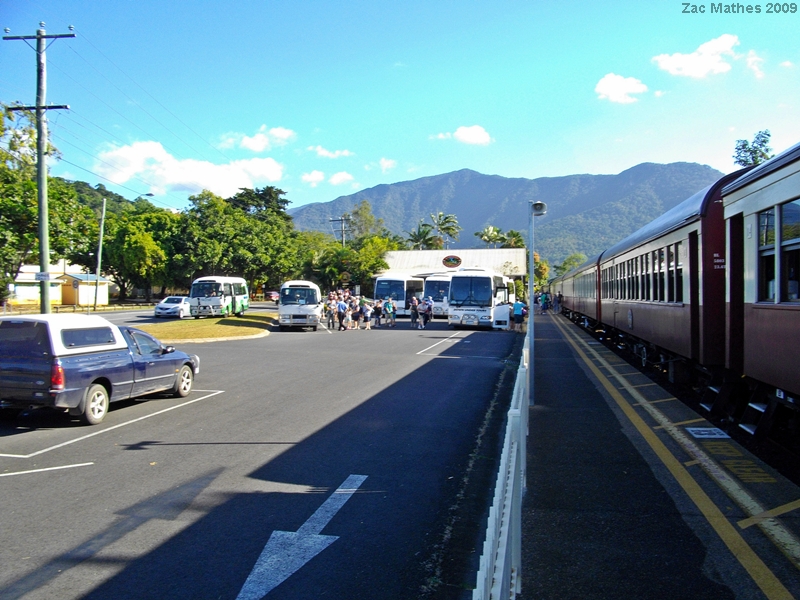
(41, 151)
(344, 219)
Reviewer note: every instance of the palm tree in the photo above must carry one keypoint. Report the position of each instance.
(446, 225)
(514, 239)
(491, 235)
(422, 238)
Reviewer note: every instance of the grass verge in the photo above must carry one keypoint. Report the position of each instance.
(213, 327)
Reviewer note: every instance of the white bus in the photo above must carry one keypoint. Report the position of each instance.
(437, 286)
(400, 287)
(218, 297)
(480, 298)
(299, 305)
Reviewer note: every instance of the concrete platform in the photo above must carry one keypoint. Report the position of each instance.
(633, 495)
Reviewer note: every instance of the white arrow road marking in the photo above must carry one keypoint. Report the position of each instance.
(286, 552)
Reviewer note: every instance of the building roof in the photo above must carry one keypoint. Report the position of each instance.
(84, 277)
(510, 261)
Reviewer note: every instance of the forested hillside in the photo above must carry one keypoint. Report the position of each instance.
(586, 213)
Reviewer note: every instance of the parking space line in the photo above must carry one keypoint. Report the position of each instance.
(439, 342)
(126, 423)
(46, 469)
(761, 574)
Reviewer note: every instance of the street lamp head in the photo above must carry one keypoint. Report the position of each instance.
(538, 208)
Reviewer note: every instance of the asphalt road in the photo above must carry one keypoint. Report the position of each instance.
(303, 465)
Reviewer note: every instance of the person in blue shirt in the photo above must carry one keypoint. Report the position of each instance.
(341, 311)
(519, 315)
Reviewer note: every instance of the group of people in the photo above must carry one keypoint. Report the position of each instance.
(546, 301)
(350, 311)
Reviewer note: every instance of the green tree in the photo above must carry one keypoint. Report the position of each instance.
(422, 238)
(362, 221)
(445, 226)
(491, 235)
(72, 226)
(132, 256)
(573, 261)
(747, 154)
(513, 239)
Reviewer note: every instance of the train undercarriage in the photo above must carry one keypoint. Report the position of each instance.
(730, 400)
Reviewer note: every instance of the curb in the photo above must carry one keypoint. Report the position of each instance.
(223, 339)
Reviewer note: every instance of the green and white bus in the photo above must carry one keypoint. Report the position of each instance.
(218, 297)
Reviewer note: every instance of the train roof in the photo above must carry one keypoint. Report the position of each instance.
(592, 262)
(773, 164)
(691, 209)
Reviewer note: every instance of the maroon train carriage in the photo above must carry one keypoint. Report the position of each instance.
(579, 291)
(762, 214)
(664, 285)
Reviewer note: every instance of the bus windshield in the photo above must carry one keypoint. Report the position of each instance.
(299, 295)
(204, 289)
(437, 289)
(471, 291)
(390, 288)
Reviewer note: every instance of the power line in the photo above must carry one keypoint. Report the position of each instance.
(176, 117)
(110, 181)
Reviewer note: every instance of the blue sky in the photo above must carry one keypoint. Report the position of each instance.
(322, 99)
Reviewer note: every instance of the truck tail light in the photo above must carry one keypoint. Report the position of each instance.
(56, 376)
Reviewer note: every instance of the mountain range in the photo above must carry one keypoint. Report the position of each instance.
(586, 213)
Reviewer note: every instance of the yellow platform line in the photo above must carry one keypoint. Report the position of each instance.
(763, 577)
(775, 512)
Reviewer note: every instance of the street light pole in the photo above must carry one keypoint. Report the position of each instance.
(537, 209)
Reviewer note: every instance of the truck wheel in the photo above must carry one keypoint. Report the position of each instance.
(183, 384)
(96, 405)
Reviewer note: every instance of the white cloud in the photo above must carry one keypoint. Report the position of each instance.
(340, 178)
(754, 64)
(387, 164)
(262, 140)
(616, 88)
(474, 135)
(328, 153)
(281, 135)
(150, 162)
(708, 59)
(658, 93)
(258, 143)
(788, 64)
(314, 178)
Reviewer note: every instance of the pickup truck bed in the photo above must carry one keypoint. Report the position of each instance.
(81, 363)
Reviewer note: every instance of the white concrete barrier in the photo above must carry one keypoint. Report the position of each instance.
(499, 570)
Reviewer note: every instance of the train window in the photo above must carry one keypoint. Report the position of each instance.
(661, 275)
(646, 276)
(790, 270)
(766, 228)
(678, 273)
(670, 274)
(790, 221)
(766, 276)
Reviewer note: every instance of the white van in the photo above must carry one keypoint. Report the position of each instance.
(218, 297)
(299, 305)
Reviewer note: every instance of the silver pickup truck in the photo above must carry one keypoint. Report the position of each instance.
(82, 362)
